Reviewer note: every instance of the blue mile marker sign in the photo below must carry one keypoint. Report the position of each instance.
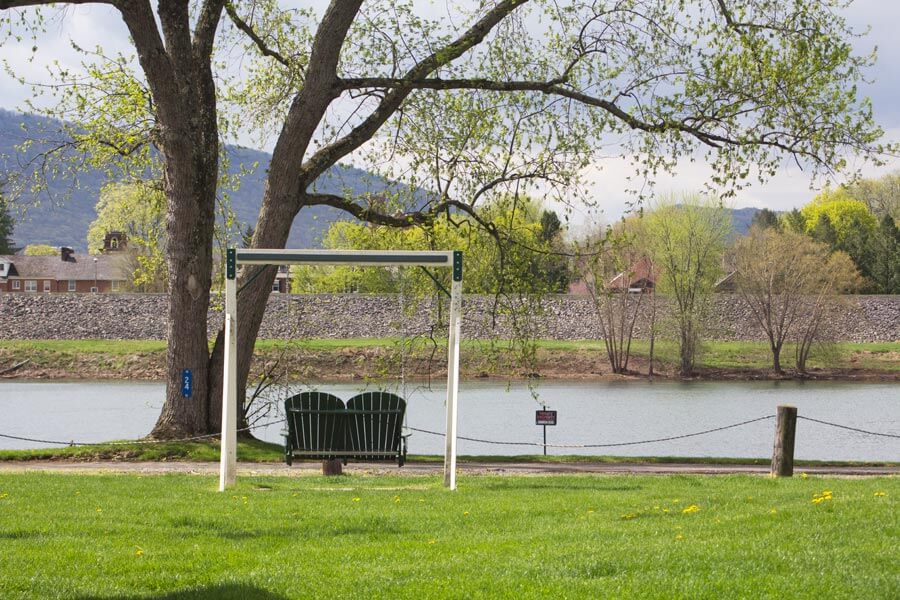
(187, 383)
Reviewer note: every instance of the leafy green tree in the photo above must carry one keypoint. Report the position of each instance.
(7, 226)
(471, 106)
(843, 211)
(517, 257)
(551, 264)
(885, 266)
(793, 221)
(824, 232)
(765, 218)
(138, 210)
(40, 250)
(687, 242)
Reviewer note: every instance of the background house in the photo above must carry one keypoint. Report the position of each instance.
(64, 273)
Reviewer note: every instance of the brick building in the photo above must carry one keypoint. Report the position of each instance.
(66, 272)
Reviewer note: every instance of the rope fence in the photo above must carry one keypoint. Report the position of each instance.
(468, 439)
(135, 442)
(613, 445)
(889, 435)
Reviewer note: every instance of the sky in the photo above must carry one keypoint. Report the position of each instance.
(791, 187)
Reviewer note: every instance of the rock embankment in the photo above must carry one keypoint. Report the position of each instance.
(143, 316)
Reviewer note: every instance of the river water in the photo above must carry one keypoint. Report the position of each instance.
(588, 413)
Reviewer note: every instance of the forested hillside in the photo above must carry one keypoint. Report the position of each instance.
(62, 215)
(50, 220)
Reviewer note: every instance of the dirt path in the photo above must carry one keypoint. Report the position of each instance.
(431, 469)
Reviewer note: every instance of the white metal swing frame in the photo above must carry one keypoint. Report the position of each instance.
(364, 258)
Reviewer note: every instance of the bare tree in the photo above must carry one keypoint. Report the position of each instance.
(786, 280)
(609, 275)
(836, 276)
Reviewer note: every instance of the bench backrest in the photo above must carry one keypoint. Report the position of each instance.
(316, 421)
(374, 422)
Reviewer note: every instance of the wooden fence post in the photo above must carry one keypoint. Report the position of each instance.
(332, 467)
(785, 432)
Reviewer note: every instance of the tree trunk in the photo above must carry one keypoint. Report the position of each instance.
(776, 359)
(272, 230)
(190, 271)
(176, 62)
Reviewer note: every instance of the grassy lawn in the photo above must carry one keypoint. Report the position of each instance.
(174, 536)
(123, 355)
(263, 452)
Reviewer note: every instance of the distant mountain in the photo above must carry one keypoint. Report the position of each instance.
(66, 223)
(741, 218)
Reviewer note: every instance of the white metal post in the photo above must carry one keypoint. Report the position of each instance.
(453, 375)
(228, 450)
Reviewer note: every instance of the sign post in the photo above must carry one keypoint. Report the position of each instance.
(544, 418)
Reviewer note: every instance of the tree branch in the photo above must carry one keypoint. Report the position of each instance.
(711, 139)
(4, 4)
(207, 23)
(264, 48)
(408, 219)
(331, 153)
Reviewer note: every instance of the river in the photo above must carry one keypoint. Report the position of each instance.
(589, 413)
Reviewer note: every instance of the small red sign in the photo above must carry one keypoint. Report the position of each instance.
(545, 417)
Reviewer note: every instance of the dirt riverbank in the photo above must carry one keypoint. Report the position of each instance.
(353, 363)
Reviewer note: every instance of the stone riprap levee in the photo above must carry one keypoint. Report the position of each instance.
(143, 316)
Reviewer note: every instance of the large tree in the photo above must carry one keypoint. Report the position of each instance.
(500, 94)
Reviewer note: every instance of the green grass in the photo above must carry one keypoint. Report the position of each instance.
(174, 536)
(200, 451)
(714, 354)
(259, 451)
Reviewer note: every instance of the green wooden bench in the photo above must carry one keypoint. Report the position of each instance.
(321, 427)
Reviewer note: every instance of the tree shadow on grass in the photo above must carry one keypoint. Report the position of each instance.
(231, 591)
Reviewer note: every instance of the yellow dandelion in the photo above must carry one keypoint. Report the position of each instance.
(356, 499)
(431, 541)
(679, 537)
(773, 511)
(99, 509)
(138, 551)
(4, 495)
(804, 476)
(591, 511)
(690, 509)
(666, 510)
(466, 514)
(880, 494)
